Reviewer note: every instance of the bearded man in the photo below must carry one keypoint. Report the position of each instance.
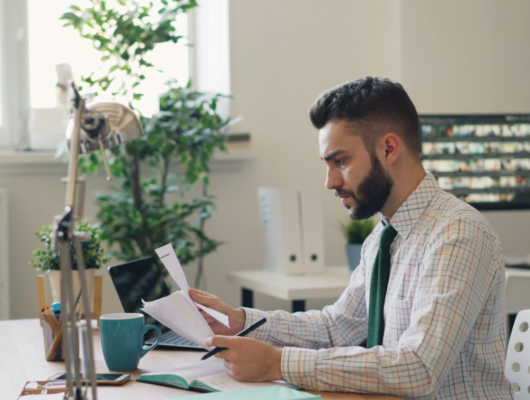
(423, 316)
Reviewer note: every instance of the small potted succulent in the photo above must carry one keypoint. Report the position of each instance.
(47, 260)
(355, 232)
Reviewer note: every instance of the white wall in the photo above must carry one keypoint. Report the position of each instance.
(470, 57)
(283, 55)
(451, 56)
(35, 195)
(467, 56)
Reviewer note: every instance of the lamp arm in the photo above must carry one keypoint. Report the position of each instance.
(74, 153)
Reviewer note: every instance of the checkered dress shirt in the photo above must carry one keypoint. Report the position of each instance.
(444, 312)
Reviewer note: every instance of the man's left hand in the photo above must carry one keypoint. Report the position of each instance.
(248, 360)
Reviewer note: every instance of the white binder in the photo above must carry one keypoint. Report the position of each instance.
(280, 218)
(312, 228)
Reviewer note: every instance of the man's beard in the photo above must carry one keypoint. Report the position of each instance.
(373, 192)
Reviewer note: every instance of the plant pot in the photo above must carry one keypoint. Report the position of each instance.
(353, 251)
(55, 284)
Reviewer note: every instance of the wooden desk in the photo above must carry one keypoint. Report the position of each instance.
(294, 288)
(22, 359)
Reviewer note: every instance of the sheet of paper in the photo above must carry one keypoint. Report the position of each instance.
(55, 396)
(259, 393)
(178, 314)
(169, 259)
(225, 383)
(216, 314)
(211, 366)
(213, 373)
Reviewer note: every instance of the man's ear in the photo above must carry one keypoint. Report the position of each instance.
(391, 147)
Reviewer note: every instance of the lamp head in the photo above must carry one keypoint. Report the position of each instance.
(105, 124)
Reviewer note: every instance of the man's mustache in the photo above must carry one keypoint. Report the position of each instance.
(344, 193)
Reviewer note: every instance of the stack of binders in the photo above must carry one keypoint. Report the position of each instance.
(293, 230)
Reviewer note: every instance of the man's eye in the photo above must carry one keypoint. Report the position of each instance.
(339, 162)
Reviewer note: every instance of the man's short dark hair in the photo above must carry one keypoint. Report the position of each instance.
(374, 106)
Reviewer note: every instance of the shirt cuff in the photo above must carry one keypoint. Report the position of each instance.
(298, 367)
(252, 315)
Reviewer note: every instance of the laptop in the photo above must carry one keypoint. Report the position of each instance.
(143, 279)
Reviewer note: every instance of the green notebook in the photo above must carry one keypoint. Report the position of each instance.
(205, 376)
(263, 393)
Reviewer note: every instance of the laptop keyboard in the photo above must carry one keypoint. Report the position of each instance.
(173, 338)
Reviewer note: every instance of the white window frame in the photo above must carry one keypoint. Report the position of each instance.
(210, 51)
(15, 86)
(210, 55)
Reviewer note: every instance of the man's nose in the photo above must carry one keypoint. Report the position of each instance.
(333, 179)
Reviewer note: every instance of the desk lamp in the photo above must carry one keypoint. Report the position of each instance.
(94, 126)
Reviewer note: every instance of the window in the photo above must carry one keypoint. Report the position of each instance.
(33, 41)
(13, 63)
(50, 43)
(212, 53)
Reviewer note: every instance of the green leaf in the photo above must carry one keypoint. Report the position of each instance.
(93, 254)
(142, 210)
(68, 16)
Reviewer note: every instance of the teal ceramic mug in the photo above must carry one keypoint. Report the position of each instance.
(122, 337)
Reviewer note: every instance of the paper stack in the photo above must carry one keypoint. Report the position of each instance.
(177, 311)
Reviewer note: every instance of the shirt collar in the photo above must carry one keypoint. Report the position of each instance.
(410, 211)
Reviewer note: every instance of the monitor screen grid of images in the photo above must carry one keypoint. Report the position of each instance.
(482, 159)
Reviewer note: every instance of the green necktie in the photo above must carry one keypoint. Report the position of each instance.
(378, 286)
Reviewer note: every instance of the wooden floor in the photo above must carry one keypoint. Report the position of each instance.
(22, 359)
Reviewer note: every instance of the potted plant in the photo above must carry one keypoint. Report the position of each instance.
(355, 232)
(143, 213)
(47, 260)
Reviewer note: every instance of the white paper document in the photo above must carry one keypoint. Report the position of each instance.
(169, 259)
(209, 375)
(178, 314)
(177, 311)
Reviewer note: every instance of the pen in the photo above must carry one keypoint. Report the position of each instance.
(244, 332)
(77, 298)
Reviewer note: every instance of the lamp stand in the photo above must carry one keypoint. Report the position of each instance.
(64, 234)
(104, 125)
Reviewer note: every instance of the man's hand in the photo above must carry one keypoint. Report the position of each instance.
(249, 360)
(236, 318)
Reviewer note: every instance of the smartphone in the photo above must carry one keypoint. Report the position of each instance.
(102, 379)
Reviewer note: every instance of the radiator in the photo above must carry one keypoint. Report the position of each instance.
(4, 257)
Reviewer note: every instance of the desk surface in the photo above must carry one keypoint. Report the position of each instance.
(328, 284)
(22, 359)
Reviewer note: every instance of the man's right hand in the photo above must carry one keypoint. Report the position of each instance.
(236, 318)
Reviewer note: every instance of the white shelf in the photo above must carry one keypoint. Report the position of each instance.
(11, 157)
(328, 284)
(18, 158)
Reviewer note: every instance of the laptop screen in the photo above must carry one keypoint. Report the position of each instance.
(137, 280)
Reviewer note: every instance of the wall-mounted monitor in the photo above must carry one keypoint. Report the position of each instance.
(482, 159)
